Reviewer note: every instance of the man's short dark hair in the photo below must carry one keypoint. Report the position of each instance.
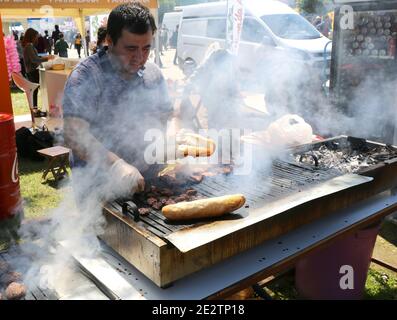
(134, 17)
(101, 34)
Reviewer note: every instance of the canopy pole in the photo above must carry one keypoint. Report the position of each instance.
(83, 32)
(5, 93)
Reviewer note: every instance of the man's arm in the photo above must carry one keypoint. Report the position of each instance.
(86, 147)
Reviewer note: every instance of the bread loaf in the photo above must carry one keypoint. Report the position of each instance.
(204, 208)
(195, 145)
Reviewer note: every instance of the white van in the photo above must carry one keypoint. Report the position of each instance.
(270, 27)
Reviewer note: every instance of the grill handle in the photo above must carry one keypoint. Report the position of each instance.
(130, 209)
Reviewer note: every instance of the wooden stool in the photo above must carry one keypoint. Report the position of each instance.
(58, 158)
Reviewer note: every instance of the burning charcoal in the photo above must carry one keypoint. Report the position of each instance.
(9, 277)
(166, 192)
(191, 192)
(15, 291)
(150, 201)
(144, 211)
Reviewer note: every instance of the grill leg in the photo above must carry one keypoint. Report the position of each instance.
(392, 217)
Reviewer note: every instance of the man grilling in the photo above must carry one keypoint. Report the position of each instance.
(113, 97)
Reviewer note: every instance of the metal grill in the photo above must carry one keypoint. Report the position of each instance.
(284, 178)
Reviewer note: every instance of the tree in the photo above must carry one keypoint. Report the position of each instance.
(165, 6)
(319, 7)
(169, 5)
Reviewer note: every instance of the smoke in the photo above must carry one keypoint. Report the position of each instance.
(77, 222)
(120, 118)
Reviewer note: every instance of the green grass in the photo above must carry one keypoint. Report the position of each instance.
(20, 103)
(38, 197)
(381, 284)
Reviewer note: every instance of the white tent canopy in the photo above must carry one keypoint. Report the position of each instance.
(78, 9)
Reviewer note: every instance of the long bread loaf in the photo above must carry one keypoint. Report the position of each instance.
(204, 208)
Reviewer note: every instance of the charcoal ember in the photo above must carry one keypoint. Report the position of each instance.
(166, 192)
(15, 291)
(10, 277)
(191, 192)
(144, 211)
(150, 201)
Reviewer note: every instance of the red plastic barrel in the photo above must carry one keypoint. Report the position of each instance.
(10, 197)
(319, 275)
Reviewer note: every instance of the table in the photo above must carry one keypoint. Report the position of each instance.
(58, 158)
(120, 280)
(52, 83)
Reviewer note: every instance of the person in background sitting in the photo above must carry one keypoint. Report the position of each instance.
(61, 47)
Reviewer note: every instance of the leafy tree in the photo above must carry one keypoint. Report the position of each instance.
(169, 5)
(165, 6)
(320, 7)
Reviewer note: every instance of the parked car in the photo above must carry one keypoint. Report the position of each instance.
(272, 34)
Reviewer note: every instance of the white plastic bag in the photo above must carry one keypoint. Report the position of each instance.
(290, 129)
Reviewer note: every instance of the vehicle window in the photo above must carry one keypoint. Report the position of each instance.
(216, 28)
(253, 31)
(291, 26)
(194, 27)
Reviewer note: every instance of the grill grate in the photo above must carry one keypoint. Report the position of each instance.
(284, 179)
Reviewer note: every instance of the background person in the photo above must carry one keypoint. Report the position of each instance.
(32, 60)
(61, 47)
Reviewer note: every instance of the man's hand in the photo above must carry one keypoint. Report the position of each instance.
(128, 177)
